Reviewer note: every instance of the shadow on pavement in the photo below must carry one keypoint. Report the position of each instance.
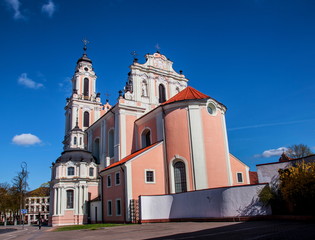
(6, 230)
(252, 230)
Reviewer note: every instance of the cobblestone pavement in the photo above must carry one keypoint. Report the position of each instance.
(181, 230)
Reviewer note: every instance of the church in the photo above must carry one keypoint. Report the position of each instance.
(161, 137)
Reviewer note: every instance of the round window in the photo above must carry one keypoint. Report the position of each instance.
(86, 69)
(211, 109)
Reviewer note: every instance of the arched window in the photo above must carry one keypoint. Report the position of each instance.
(146, 138)
(180, 177)
(86, 119)
(111, 143)
(70, 171)
(162, 97)
(96, 150)
(75, 140)
(86, 87)
(74, 85)
(69, 198)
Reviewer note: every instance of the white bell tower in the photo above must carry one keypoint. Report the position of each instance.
(84, 106)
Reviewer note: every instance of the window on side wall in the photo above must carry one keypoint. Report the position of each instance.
(109, 208)
(149, 176)
(118, 207)
(111, 143)
(117, 178)
(239, 177)
(109, 181)
(69, 199)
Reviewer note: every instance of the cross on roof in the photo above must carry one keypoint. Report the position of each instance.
(85, 42)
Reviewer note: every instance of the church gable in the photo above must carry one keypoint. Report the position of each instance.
(155, 81)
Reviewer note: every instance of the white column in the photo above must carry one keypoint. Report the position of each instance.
(79, 201)
(58, 201)
(76, 203)
(62, 201)
(55, 202)
(77, 82)
(83, 199)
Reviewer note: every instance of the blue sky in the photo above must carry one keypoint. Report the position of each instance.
(255, 56)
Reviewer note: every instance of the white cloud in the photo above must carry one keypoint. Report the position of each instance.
(25, 139)
(49, 8)
(272, 152)
(15, 5)
(27, 82)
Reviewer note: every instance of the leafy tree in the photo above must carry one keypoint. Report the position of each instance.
(298, 151)
(297, 187)
(4, 200)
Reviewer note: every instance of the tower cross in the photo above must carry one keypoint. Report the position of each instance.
(158, 48)
(85, 42)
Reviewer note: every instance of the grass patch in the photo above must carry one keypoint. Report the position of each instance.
(87, 226)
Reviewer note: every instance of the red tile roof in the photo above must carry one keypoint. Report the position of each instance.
(284, 158)
(253, 177)
(122, 161)
(186, 94)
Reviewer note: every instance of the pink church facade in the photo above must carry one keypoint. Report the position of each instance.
(161, 137)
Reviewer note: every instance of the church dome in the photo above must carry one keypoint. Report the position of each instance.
(84, 58)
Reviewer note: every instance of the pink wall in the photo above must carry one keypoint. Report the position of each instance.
(93, 190)
(177, 138)
(215, 150)
(151, 124)
(238, 166)
(153, 160)
(130, 144)
(112, 193)
(97, 132)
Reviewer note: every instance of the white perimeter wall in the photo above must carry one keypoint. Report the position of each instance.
(210, 203)
(268, 173)
(97, 204)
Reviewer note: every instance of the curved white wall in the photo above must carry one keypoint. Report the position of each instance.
(211, 203)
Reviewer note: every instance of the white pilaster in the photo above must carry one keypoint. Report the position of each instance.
(122, 133)
(197, 143)
(55, 201)
(79, 210)
(227, 152)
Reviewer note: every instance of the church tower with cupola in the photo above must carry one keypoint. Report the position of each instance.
(84, 105)
(75, 180)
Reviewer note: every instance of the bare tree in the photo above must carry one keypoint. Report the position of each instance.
(19, 187)
(298, 151)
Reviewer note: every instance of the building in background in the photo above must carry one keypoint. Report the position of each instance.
(37, 204)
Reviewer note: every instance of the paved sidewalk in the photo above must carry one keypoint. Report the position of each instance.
(291, 230)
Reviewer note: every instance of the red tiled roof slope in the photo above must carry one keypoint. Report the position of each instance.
(253, 177)
(186, 94)
(284, 158)
(122, 161)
